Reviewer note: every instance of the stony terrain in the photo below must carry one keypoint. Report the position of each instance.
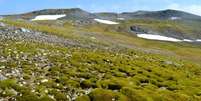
(13, 33)
(63, 61)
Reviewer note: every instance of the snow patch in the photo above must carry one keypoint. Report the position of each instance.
(188, 40)
(106, 21)
(198, 40)
(165, 38)
(175, 18)
(158, 37)
(48, 17)
(120, 18)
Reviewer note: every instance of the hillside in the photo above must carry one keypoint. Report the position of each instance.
(165, 14)
(80, 58)
(170, 23)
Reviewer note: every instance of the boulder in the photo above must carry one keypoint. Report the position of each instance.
(2, 77)
(24, 30)
(137, 29)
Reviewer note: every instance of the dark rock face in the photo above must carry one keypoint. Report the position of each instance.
(138, 29)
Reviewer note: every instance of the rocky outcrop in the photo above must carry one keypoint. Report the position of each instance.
(138, 29)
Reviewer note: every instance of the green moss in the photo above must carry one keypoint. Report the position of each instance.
(106, 95)
(83, 98)
(59, 96)
(46, 98)
(135, 95)
(7, 83)
(27, 97)
(87, 84)
(124, 75)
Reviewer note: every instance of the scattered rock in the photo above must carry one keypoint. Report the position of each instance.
(163, 88)
(168, 62)
(13, 33)
(14, 92)
(2, 77)
(24, 30)
(172, 63)
(2, 24)
(87, 91)
(44, 80)
(2, 67)
(93, 38)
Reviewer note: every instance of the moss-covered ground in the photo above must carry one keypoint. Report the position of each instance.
(48, 72)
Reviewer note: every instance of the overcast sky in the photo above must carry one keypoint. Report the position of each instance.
(20, 6)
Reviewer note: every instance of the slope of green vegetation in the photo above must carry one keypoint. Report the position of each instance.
(42, 28)
(96, 75)
(47, 72)
(108, 35)
(191, 28)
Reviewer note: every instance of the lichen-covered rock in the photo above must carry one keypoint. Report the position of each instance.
(2, 77)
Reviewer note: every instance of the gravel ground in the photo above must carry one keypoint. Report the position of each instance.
(13, 33)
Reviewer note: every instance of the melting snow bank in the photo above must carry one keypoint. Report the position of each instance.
(48, 17)
(164, 38)
(198, 40)
(187, 40)
(106, 22)
(158, 37)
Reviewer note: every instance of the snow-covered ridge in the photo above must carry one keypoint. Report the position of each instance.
(165, 38)
(106, 21)
(48, 17)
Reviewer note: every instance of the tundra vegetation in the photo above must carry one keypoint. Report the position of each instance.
(100, 63)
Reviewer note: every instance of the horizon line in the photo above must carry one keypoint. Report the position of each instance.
(95, 12)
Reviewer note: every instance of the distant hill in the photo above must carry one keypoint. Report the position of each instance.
(77, 14)
(171, 23)
(165, 14)
(74, 13)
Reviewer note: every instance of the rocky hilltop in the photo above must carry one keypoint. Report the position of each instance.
(172, 23)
